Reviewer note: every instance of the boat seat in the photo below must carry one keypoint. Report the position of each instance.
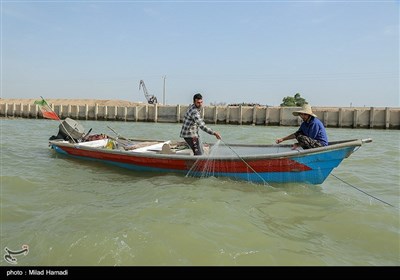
(188, 152)
(156, 148)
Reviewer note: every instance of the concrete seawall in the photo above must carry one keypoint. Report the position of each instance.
(355, 117)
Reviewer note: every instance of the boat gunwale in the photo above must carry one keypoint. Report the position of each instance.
(289, 154)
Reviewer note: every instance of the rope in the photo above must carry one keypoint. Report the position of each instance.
(265, 183)
(362, 191)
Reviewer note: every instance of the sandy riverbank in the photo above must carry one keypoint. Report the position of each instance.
(80, 102)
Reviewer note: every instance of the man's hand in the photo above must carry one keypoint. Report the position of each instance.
(217, 135)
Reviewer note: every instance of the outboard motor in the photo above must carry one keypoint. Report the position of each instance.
(69, 128)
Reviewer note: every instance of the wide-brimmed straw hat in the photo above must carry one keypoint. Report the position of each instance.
(306, 109)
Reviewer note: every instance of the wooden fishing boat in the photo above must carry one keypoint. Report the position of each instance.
(253, 163)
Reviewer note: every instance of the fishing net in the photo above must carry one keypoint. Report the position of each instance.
(223, 161)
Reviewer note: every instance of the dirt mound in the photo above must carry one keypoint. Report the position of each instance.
(80, 102)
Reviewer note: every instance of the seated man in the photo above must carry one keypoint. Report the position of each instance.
(311, 134)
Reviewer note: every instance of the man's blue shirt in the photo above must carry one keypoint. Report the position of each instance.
(315, 130)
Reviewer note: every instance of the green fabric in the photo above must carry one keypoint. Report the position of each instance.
(40, 102)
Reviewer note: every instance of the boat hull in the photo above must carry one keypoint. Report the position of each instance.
(308, 166)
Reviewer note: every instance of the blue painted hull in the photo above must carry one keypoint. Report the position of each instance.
(308, 166)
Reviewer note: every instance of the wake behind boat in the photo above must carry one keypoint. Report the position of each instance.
(252, 163)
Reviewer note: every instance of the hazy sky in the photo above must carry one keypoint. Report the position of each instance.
(334, 53)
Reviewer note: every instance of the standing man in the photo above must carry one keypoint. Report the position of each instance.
(311, 134)
(192, 122)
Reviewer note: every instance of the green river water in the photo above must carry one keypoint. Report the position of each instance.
(81, 213)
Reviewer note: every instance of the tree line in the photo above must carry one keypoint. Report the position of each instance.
(288, 101)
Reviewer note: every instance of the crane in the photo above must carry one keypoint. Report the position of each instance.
(151, 99)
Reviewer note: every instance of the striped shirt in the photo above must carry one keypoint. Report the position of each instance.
(192, 122)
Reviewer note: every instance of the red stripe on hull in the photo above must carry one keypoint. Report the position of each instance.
(259, 165)
(216, 165)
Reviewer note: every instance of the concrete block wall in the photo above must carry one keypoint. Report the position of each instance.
(358, 117)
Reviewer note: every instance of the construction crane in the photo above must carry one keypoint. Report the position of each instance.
(151, 99)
